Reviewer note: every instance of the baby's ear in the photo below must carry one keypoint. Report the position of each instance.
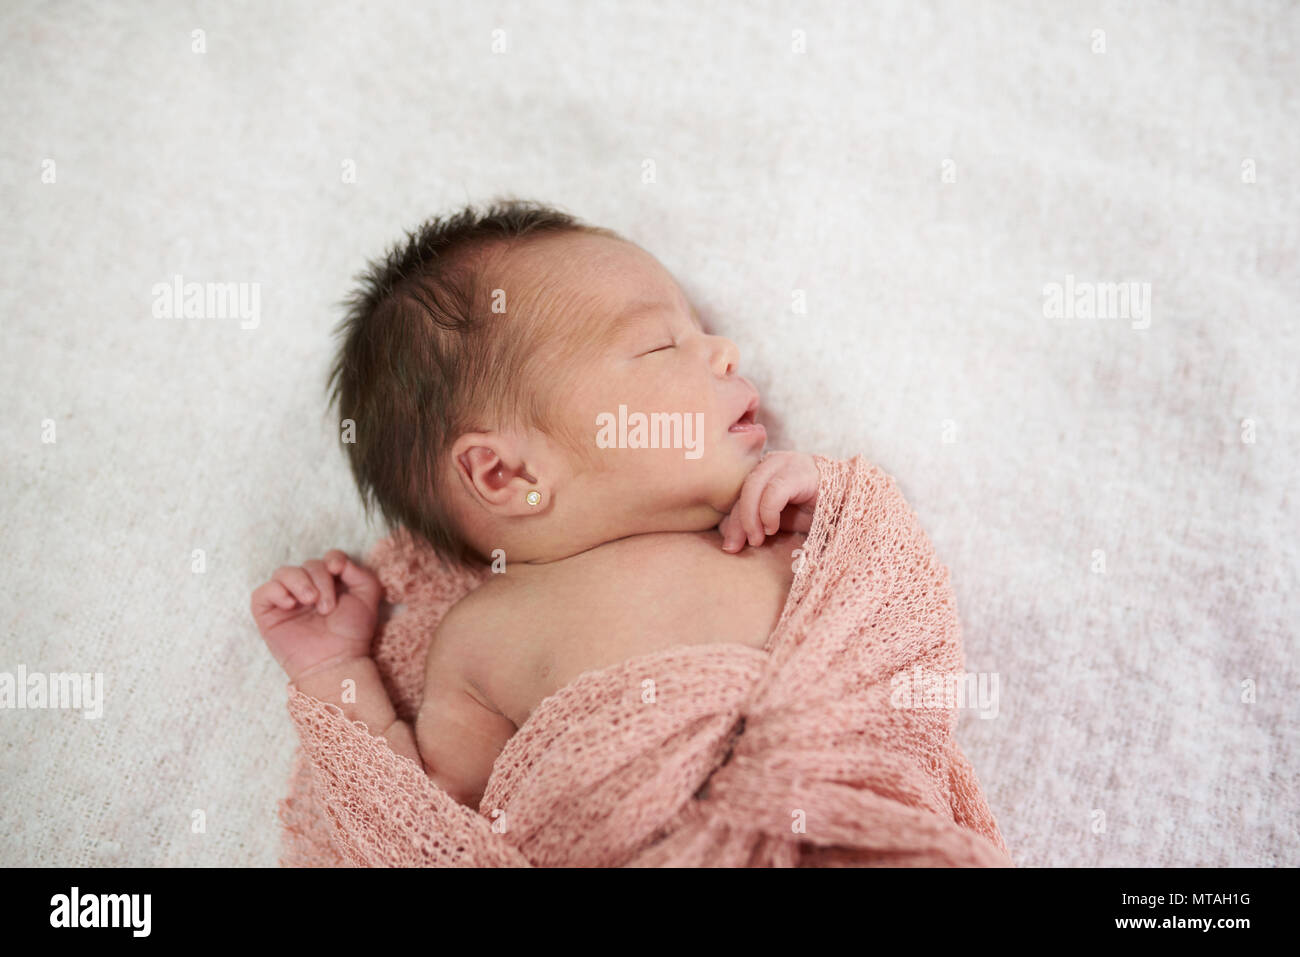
(483, 467)
(491, 470)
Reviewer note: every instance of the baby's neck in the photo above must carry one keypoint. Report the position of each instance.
(612, 550)
(564, 537)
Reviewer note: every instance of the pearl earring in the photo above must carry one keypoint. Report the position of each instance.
(532, 498)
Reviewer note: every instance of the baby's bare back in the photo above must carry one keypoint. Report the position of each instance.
(525, 634)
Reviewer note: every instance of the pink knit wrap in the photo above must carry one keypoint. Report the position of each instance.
(701, 755)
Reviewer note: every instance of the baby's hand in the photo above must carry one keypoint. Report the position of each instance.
(780, 493)
(307, 621)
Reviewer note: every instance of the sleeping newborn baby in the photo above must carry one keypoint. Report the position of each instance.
(525, 392)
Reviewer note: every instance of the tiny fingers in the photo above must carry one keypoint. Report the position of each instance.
(279, 595)
(731, 538)
(270, 595)
(741, 526)
(753, 528)
(297, 582)
(766, 492)
(362, 583)
(324, 583)
(757, 512)
(773, 501)
(737, 532)
(312, 583)
(749, 507)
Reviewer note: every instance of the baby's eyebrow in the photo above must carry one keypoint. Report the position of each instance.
(632, 314)
(629, 318)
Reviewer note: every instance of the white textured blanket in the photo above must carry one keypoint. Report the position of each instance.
(919, 222)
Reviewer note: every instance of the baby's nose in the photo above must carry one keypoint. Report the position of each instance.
(726, 357)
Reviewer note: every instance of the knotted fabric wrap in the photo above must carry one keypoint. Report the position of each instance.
(714, 755)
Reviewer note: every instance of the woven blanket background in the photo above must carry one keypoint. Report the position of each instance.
(870, 202)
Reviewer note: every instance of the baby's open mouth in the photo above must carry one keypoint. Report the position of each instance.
(745, 423)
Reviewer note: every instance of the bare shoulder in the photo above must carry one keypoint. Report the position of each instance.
(459, 731)
(462, 650)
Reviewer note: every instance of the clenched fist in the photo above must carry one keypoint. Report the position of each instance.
(309, 620)
(779, 494)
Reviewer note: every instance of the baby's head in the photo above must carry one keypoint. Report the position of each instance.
(483, 363)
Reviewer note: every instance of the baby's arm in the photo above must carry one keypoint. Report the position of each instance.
(458, 731)
(319, 630)
(369, 702)
(459, 739)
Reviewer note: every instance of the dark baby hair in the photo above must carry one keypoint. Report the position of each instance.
(423, 358)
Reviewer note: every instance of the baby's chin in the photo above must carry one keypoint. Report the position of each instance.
(702, 508)
(726, 489)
